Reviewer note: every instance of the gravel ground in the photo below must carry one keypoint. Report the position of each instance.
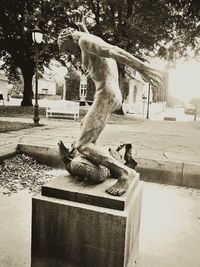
(23, 172)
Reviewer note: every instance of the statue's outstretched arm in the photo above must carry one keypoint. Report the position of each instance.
(97, 46)
(148, 73)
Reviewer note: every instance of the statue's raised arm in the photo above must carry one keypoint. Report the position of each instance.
(148, 73)
(77, 19)
(97, 46)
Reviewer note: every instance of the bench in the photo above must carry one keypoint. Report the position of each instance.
(2, 99)
(63, 109)
(169, 118)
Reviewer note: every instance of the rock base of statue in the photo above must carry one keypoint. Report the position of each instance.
(76, 224)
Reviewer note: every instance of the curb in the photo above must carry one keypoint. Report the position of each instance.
(43, 154)
(160, 171)
(169, 172)
(8, 151)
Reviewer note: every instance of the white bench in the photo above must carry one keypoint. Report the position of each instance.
(1, 98)
(63, 109)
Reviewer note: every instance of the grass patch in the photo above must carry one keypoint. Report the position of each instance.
(27, 112)
(6, 126)
(18, 111)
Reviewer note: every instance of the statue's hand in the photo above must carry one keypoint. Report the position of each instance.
(77, 18)
(77, 21)
(65, 40)
(152, 76)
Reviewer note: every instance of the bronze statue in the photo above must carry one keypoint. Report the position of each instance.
(100, 58)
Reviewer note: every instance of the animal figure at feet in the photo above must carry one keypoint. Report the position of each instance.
(83, 169)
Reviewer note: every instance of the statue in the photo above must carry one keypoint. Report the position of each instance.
(100, 58)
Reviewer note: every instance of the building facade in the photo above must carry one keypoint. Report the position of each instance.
(46, 87)
(4, 85)
(139, 92)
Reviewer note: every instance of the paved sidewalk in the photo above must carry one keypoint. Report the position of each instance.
(170, 221)
(169, 231)
(159, 140)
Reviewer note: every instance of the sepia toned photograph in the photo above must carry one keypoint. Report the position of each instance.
(99, 133)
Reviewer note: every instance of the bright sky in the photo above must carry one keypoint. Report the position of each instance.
(184, 80)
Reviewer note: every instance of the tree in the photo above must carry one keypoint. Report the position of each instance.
(194, 101)
(72, 82)
(15, 43)
(185, 33)
(17, 19)
(145, 28)
(142, 27)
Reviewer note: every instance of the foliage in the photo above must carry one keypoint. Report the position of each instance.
(59, 89)
(72, 86)
(17, 19)
(173, 101)
(166, 28)
(161, 94)
(145, 27)
(90, 89)
(194, 101)
(17, 88)
(185, 40)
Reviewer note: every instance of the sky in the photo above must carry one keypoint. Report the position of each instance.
(184, 80)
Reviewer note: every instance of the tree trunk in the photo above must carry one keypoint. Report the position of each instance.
(27, 73)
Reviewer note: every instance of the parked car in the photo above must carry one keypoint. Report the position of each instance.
(190, 110)
(17, 95)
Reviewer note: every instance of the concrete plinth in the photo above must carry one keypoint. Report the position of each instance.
(78, 225)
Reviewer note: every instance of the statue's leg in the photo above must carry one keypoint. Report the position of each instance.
(93, 124)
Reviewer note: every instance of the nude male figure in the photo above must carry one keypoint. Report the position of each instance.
(100, 59)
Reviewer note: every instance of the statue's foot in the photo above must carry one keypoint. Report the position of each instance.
(121, 186)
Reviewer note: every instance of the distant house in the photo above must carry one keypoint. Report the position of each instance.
(4, 85)
(45, 87)
(80, 88)
(137, 99)
(136, 94)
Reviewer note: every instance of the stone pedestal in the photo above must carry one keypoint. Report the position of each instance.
(74, 224)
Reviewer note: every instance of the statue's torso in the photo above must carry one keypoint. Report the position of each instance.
(102, 70)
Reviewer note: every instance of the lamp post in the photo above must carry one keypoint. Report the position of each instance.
(143, 98)
(37, 37)
(148, 100)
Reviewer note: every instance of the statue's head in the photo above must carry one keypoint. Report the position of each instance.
(68, 32)
(67, 41)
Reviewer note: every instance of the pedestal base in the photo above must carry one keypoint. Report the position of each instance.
(69, 232)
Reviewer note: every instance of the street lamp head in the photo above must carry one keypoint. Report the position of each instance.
(37, 35)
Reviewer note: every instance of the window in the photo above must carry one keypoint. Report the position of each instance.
(44, 91)
(83, 90)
